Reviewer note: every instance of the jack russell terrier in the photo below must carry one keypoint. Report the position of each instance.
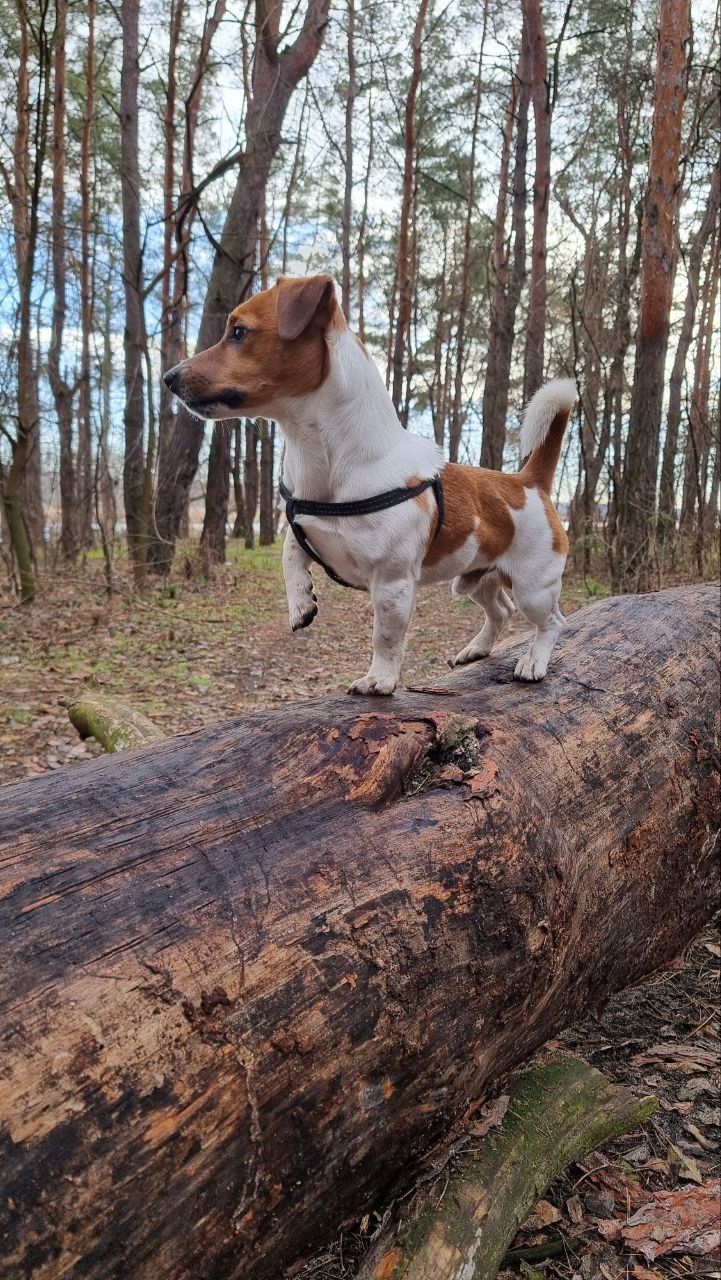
(288, 354)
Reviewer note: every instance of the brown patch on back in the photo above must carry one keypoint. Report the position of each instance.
(422, 498)
(264, 366)
(558, 533)
(476, 494)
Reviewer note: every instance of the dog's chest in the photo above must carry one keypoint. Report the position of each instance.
(357, 548)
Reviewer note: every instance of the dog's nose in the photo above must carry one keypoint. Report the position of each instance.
(172, 377)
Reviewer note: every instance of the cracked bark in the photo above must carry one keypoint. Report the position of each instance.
(254, 974)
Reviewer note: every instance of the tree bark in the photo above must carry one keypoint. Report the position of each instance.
(403, 264)
(22, 481)
(217, 494)
(174, 333)
(458, 415)
(540, 95)
(275, 76)
(240, 1003)
(250, 480)
(266, 504)
(667, 493)
(61, 389)
(85, 478)
(637, 505)
(507, 291)
(134, 336)
(238, 489)
(557, 1113)
(347, 220)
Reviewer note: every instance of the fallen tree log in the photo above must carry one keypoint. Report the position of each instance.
(112, 722)
(557, 1112)
(251, 974)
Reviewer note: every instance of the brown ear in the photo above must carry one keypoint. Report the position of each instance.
(300, 302)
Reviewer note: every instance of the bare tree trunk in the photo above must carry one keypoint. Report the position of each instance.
(170, 317)
(238, 489)
(217, 494)
(61, 389)
(22, 481)
(267, 488)
(540, 93)
(250, 474)
(698, 439)
(637, 509)
(363, 228)
(174, 325)
(252, 974)
(85, 428)
(458, 413)
(134, 337)
(667, 493)
(106, 504)
(403, 267)
(275, 76)
(348, 184)
(507, 291)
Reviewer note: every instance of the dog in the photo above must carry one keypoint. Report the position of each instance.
(288, 354)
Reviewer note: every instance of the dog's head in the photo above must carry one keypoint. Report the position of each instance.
(274, 349)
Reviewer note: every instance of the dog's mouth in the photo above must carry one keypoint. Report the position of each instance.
(228, 399)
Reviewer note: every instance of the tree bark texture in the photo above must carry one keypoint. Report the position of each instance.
(61, 389)
(557, 1112)
(507, 289)
(251, 974)
(540, 95)
(134, 336)
(85, 474)
(404, 264)
(637, 510)
(251, 476)
(274, 78)
(667, 494)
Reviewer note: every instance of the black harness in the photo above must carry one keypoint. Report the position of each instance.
(295, 507)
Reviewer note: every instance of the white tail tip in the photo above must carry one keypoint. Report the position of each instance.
(556, 397)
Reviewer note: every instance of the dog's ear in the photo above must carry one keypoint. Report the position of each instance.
(304, 302)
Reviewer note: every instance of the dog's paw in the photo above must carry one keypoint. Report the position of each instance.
(373, 685)
(530, 668)
(471, 653)
(303, 612)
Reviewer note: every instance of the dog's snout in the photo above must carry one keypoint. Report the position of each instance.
(171, 377)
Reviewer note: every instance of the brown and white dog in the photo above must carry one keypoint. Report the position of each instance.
(288, 354)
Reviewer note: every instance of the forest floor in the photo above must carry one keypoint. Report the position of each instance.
(195, 652)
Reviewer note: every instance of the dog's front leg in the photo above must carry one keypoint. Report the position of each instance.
(393, 604)
(302, 606)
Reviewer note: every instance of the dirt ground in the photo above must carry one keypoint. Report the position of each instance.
(195, 652)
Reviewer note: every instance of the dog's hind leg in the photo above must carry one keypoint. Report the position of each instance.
(487, 591)
(540, 606)
(302, 606)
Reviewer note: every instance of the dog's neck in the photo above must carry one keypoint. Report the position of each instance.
(344, 429)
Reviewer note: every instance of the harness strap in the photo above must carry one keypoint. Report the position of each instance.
(363, 507)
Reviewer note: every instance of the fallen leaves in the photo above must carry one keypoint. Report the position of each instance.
(683, 1221)
(689, 1058)
(544, 1215)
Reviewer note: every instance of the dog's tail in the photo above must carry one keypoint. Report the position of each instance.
(544, 424)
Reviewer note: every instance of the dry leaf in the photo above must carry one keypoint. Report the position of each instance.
(490, 1116)
(682, 1165)
(482, 779)
(683, 1221)
(574, 1209)
(544, 1215)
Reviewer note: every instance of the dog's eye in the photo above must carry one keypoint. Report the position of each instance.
(237, 333)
